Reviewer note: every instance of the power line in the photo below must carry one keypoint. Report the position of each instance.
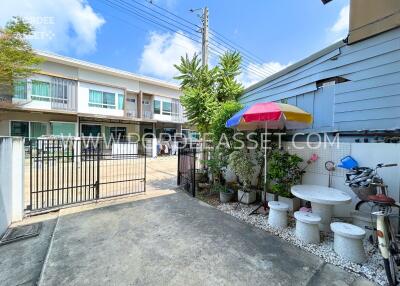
(132, 25)
(166, 25)
(249, 66)
(220, 36)
(152, 18)
(173, 14)
(123, 7)
(161, 14)
(244, 67)
(245, 56)
(245, 53)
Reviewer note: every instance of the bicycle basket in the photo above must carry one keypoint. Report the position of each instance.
(363, 192)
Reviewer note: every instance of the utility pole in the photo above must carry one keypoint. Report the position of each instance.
(204, 38)
(204, 33)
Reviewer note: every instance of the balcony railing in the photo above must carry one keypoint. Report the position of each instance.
(60, 93)
(147, 115)
(131, 113)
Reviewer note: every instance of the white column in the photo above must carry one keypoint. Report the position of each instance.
(18, 178)
(154, 147)
(12, 159)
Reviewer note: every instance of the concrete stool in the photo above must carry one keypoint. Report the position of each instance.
(307, 227)
(278, 214)
(348, 241)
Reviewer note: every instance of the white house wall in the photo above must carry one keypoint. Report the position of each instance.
(106, 79)
(59, 70)
(160, 90)
(366, 154)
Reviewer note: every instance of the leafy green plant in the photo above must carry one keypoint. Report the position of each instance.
(17, 58)
(241, 163)
(218, 188)
(204, 88)
(221, 134)
(216, 162)
(283, 172)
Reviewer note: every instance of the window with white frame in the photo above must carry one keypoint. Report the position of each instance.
(101, 99)
(28, 129)
(157, 107)
(40, 90)
(166, 108)
(121, 101)
(20, 89)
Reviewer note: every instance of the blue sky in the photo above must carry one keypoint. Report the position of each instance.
(279, 32)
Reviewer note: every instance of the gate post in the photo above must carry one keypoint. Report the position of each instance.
(145, 156)
(178, 181)
(98, 172)
(194, 173)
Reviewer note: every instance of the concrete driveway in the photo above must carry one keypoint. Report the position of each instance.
(171, 239)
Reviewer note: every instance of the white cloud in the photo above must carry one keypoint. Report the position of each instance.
(62, 25)
(163, 51)
(251, 72)
(341, 26)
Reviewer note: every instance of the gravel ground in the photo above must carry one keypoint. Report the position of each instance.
(372, 269)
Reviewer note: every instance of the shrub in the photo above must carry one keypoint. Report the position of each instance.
(283, 172)
(241, 163)
(218, 188)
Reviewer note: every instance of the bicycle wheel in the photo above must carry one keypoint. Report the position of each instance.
(390, 271)
(360, 204)
(391, 268)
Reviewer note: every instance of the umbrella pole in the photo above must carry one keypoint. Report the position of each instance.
(265, 166)
(264, 202)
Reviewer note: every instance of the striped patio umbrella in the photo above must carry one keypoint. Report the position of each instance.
(272, 114)
(269, 115)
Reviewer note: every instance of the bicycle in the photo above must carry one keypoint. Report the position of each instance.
(386, 237)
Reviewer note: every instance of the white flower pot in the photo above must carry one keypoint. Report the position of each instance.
(294, 204)
(246, 197)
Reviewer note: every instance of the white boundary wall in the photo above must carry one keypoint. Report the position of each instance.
(12, 157)
(366, 154)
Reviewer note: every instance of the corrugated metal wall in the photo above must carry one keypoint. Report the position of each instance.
(370, 100)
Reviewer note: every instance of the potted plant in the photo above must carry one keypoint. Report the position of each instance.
(225, 194)
(215, 164)
(284, 172)
(271, 195)
(241, 163)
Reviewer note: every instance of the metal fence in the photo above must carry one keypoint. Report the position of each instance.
(68, 171)
(186, 176)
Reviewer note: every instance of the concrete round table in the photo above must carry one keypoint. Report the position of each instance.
(322, 201)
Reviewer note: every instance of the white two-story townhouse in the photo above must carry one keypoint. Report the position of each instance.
(71, 97)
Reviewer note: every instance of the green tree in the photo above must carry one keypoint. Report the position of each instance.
(17, 58)
(220, 133)
(205, 89)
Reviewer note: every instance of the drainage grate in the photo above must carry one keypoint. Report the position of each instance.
(21, 232)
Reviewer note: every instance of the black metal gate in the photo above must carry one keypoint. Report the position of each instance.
(68, 171)
(186, 176)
